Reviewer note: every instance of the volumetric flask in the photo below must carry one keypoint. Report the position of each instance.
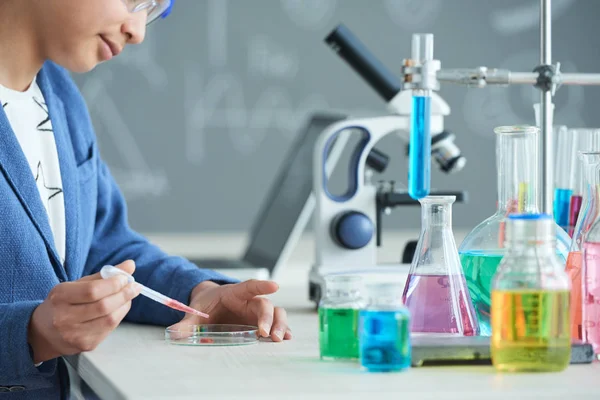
(338, 317)
(564, 173)
(384, 330)
(436, 293)
(518, 187)
(590, 162)
(530, 300)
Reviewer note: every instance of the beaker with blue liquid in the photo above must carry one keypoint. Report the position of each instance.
(385, 329)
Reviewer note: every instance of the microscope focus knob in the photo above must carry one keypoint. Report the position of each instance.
(352, 230)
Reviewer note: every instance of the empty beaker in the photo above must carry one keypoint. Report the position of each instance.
(518, 186)
(587, 140)
(530, 300)
(338, 317)
(590, 162)
(436, 293)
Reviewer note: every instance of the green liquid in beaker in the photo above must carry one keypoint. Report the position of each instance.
(479, 269)
(338, 333)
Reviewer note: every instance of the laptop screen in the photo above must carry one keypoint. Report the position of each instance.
(287, 196)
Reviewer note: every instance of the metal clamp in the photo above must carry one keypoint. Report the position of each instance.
(548, 79)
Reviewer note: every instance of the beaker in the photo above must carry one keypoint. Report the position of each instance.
(338, 317)
(590, 280)
(564, 173)
(435, 292)
(518, 188)
(530, 300)
(587, 140)
(385, 330)
(590, 162)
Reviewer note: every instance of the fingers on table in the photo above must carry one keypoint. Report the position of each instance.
(280, 329)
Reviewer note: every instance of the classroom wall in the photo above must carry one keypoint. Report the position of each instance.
(194, 122)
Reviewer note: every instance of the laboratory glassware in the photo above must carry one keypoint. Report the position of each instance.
(385, 330)
(518, 186)
(590, 279)
(338, 317)
(587, 140)
(419, 167)
(212, 335)
(435, 292)
(590, 163)
(530, 300)
(564, 173)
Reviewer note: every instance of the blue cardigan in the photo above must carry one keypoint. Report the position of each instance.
(97, 233)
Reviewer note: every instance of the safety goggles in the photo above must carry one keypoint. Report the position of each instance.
(154, 8)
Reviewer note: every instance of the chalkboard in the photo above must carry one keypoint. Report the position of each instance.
(195, 121)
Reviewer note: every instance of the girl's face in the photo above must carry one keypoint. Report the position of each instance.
(79, 34)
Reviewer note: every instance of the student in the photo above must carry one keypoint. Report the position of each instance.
(62, 216)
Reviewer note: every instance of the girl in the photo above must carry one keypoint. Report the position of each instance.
(63, 217)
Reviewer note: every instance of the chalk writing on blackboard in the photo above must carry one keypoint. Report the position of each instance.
(220, 104)
(217, 29)
(310, 14)
(269, 59)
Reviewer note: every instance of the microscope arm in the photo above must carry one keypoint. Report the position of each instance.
(388, 198)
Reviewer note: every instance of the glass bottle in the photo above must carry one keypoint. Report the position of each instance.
(435, 292)
(338, 317)
(590, 161)
(483, 248)
(530, 300)
(385, 330)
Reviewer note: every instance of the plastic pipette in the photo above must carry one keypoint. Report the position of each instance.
(108, 271)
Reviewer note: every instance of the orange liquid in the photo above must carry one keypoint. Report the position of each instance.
(574, 271)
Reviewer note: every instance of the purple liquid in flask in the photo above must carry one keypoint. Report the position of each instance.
(436, 292)
(439, 304)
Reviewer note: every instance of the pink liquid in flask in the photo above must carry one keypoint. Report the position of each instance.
(591, 296)
(440, 304)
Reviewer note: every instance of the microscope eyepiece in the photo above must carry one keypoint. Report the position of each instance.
(355, 53)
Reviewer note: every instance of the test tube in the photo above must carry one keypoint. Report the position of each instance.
(564, 173)
(419, 157)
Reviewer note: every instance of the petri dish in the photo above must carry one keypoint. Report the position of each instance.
(212, 335)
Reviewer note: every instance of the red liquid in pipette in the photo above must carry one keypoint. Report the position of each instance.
(174, 304)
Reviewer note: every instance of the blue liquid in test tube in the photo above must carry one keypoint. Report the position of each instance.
(384, 343)
(419, 158)
(562, 199)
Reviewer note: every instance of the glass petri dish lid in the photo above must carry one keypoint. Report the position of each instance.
(212, 335)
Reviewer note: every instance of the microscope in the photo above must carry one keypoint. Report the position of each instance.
(348, 227)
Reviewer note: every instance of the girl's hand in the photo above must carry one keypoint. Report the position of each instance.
(77, 316)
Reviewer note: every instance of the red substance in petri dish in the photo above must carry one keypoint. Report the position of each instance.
(206, 340)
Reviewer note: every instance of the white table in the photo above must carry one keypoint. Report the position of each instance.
(135, 363)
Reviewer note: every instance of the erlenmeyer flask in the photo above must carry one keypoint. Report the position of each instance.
(483, 248)
(435, 292)
(590, 161)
